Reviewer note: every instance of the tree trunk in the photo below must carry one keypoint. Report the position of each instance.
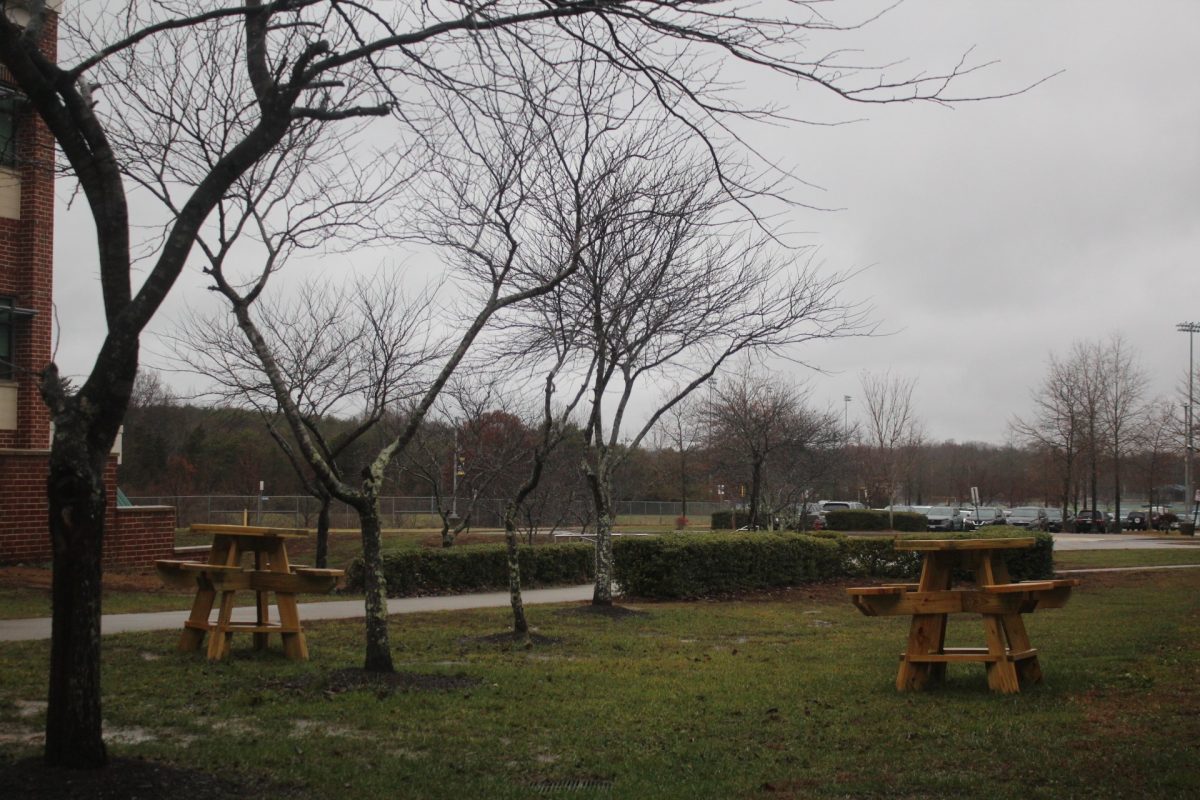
(1117, 488)
(323, 532)
(378, 653)
(76, 495)
(683, 487)
(601, 485)
(520, 623)
(755, 492)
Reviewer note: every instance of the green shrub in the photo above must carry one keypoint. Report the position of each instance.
(686, 566)
(1025, 564)
(863, 519)
(478, 568)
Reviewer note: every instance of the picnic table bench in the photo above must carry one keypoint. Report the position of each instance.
(1009, 656)
(225, 573)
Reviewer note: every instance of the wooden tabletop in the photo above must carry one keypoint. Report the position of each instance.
(943, 545)
(249, 530)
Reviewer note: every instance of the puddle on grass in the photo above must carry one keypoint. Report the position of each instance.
(408, 755)
(114, 734)
(30, 708)
(237, 727)
(19, 734)
(302, 728)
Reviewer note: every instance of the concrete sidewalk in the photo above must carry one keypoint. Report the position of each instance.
(16, 630)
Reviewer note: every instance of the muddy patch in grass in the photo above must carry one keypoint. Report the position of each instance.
(509, 638)
(127, 778)
(611, 612)
(349, 680)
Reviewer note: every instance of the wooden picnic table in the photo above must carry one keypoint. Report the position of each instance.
(1009, 656)
(224, 572)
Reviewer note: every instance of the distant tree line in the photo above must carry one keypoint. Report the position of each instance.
(748, 442)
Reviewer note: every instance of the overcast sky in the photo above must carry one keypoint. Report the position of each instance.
(990, 234)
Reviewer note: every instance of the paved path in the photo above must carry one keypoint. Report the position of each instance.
(1121, 541)
(1082, 570)
(15, 630)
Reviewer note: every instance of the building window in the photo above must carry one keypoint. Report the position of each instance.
(9, 110)
(6, 338)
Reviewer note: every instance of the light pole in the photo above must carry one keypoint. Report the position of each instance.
(1190, 329)
(846, 418)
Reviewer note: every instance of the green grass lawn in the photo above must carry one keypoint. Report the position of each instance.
(788, 698)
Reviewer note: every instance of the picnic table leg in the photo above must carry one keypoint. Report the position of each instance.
(263, 611)
(222, 553)
(197, 622)
(927, 633)
(1012, 628)
(218, 643)
(294, 645)
(1001, 673)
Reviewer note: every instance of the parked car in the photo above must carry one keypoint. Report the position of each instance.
(1089, 520)
(944, 518)
(1140, 519)
(839, 505)
(1032, 517)
(987, 515)
(1054, 520)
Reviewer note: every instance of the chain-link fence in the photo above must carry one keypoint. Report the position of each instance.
(299, 511)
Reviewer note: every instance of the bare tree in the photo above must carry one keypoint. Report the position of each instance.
(760, 417)
(1156, 433)
(471, 452)
(348, 353)
(138, 86)
(666, 288)
(1058, 425)
(891, 432)
(1120, 407)
(680, 432)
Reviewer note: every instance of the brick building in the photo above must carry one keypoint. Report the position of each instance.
(132, 535)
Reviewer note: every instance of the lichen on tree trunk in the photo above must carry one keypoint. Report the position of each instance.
(322, 557)
(378, 651)
(520, 623)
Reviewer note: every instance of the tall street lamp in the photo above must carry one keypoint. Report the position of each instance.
(1190, 328)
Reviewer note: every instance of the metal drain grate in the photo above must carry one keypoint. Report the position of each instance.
(572, 785)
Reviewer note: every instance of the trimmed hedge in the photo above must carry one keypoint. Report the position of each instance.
(681, 566)
(686, 566)
(478, 568)
(878, 558)
(863, 519)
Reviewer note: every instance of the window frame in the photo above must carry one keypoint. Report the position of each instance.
(8, 336)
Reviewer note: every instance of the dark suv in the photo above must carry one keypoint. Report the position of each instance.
(1139, 521)
(1088, 520)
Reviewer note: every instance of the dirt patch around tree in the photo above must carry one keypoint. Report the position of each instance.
(128, 779)
(610, 612)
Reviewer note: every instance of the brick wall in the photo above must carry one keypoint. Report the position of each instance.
(23, 511)
(27, 267)
(143, 533)
(132, 536)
